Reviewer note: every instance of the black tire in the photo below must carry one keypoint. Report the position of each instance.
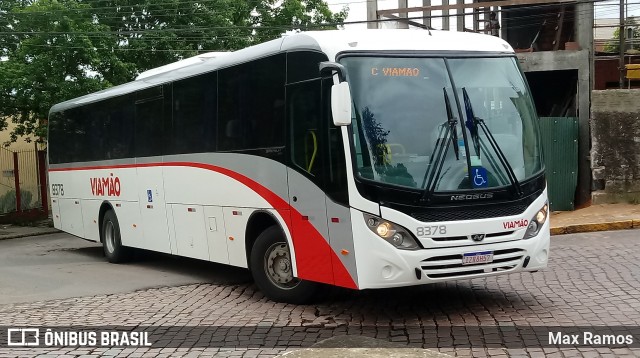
(269, 250)
(111, 243)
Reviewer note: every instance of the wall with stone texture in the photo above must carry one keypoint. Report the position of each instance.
(615, 146)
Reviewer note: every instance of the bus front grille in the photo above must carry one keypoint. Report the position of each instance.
(450, 266)
(470, 213)
(461, 238)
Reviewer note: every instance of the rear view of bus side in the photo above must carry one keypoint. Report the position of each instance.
(362, 159)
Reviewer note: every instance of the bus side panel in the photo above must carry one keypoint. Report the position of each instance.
(235, 221)
(71, 215)
(309, 231)
(90, 211)
(128, 213)
(55, 212)
(345, 272)
(185, 183)
(216, 234)
(188, 227)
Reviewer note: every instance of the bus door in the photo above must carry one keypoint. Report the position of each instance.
(149, 141)
(312, 139)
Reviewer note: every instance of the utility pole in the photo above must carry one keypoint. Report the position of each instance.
(427, 13)
(403, 4)
(622, 44)
(372, 14)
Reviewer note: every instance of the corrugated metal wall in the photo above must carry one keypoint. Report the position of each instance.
(560, 145)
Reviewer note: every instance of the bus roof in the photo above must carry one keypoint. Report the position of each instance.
(331, 42)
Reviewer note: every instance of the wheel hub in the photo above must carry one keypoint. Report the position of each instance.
(109, 236)
(278, 265)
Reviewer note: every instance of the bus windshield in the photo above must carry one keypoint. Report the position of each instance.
(423, 122)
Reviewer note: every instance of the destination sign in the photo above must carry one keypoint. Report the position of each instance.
(395, 71)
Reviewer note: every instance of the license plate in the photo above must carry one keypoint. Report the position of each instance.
(474, 258)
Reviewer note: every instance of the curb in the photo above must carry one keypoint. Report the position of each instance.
(363, 353)
(593, 227)
(38, 233)
(362, 347)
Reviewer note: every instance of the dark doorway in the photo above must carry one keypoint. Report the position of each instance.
(554, 92)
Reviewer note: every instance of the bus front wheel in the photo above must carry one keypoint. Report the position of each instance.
(272, 271)
(111, 242)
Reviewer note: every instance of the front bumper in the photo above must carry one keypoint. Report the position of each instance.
(380, 265)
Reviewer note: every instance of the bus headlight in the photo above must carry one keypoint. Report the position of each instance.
(391, 233)
(384, 229)
(537, 222)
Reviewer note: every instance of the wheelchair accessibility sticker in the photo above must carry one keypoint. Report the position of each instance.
(479, 178)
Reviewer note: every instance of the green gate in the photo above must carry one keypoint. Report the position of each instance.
(560, 146)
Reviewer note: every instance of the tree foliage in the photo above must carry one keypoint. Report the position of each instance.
(54, 54)
(55, 50)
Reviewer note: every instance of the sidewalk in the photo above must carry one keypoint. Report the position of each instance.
(602, 217)
(367, 347)
(8, 231)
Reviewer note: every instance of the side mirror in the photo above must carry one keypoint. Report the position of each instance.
(341, 104)
(327, 68)
(340, 94)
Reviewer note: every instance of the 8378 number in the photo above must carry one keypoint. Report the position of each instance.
(57, 189)
(431, 230)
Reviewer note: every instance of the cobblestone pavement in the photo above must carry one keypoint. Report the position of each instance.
(593, 279)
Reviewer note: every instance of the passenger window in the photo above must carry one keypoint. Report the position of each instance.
(75, 135)
(194, 115)
(251, 103)
(149, 136)
(121, 129)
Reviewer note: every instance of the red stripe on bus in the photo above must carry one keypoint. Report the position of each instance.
(311, 249)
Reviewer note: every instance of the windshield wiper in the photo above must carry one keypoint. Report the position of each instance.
(473, 123)
(440, 150)
(452, 124)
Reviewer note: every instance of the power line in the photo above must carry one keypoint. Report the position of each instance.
(114, 8)
(281, 27)
(140, 7)
(149, 34)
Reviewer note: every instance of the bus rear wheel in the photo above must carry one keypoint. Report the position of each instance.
(272, 270)
(111, 241)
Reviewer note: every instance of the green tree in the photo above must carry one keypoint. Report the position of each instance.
(55, 50)
(153, 33)
(52, 52)
(614, 45)
(295, 14)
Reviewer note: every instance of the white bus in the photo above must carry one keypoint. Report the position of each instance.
(362, 159)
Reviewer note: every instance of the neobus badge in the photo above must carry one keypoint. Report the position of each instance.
(471, 196)
(109, 186)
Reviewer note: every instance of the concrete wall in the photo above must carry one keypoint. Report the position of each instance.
(615, 151)
(571, 60)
